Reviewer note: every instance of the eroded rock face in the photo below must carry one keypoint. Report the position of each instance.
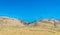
(10, 21)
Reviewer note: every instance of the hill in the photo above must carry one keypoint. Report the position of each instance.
(7, 21)
(13, 26)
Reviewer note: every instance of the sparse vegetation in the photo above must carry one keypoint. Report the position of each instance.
(18, 27)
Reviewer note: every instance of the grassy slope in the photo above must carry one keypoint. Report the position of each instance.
(11, 30)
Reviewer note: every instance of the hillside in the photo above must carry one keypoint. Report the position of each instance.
(47, 22)
(13, 26)
(7, 21)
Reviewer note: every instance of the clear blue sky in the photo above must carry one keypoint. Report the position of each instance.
(30, 10)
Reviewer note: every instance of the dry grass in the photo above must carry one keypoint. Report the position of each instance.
(11, 30)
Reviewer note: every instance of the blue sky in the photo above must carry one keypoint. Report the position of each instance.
(30, 10)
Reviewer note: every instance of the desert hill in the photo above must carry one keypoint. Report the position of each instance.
(13, 26)
(4, 20)
(46, 22)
